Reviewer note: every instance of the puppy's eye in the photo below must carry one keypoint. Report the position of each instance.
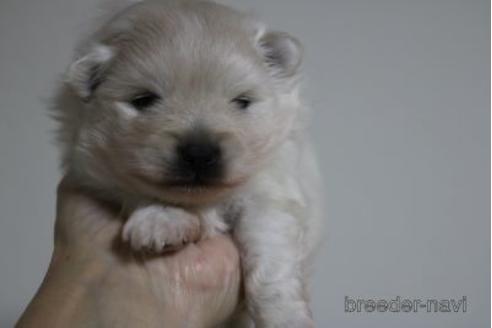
(144, 101)
(242, 101)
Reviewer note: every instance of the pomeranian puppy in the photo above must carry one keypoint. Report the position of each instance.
(188, 114)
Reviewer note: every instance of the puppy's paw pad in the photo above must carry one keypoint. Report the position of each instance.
(160, 229)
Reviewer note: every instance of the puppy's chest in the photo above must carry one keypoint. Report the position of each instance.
(272, 188)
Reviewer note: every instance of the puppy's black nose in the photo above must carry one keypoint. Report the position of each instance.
(201, 157)
(199, 154)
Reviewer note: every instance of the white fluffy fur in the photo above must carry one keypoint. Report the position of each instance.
(197, 56)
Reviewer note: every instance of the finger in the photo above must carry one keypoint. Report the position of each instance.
(218, 277)
(206, 264)
(222, 251)
(204, 276)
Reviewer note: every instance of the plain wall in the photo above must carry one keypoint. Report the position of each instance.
(400, 92)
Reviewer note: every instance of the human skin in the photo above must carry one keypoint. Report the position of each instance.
(94, 280)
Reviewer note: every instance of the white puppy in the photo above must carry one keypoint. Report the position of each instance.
(188, 114)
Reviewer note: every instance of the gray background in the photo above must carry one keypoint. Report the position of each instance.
(401, 97)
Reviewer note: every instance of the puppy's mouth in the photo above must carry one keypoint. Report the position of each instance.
(199, 185)
(195, 185)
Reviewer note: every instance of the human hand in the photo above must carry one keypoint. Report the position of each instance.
(96, 280)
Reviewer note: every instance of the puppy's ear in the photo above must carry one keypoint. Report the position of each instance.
(282, 53)
(86, 73)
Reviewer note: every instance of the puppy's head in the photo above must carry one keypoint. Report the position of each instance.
(178, 100)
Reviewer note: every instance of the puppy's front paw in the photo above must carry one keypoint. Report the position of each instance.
(160, 229)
